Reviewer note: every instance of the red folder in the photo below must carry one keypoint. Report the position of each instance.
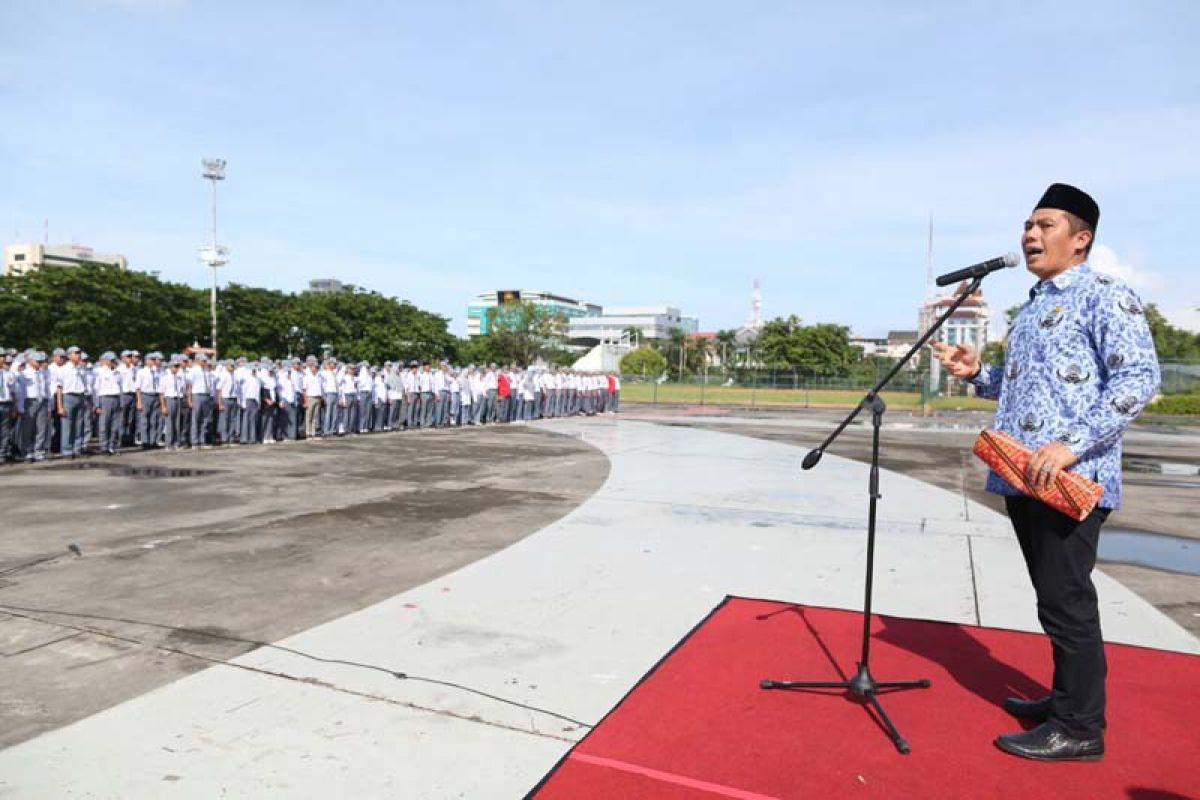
(1072, 494)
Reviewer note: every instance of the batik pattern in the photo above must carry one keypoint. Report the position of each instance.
(1080, 366)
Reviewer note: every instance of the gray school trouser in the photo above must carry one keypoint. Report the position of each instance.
(202, 414)
(614, 404)
(72, 439)
(7, 428)
(395, 415)
(110, 422)
(250, 422)
(226, 421)
(285, 416)
(425, 415)
(442, 408)
(465, 416)
(411, 401)
(455, 406)
(173, 423)
(128, 418)
(150, 420)
(364, 413)
(501, 412)
(330, 421)
(35, 427)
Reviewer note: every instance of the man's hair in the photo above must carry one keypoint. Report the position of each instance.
(1078, 224)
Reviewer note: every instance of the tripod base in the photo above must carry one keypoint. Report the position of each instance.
(864, 686)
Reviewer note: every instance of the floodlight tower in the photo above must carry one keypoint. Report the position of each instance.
(212, 253)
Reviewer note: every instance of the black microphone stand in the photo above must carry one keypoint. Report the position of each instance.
(863, 684)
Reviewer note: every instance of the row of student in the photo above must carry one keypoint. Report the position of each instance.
(62, 403)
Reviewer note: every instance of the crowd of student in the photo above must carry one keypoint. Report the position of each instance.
(64, 403)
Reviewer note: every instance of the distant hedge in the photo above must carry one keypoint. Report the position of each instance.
(1176, 404)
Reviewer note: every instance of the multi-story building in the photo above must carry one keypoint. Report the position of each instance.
(477, 310)
(650, 322)
(326, 286)
(29, 257)
(969, 325)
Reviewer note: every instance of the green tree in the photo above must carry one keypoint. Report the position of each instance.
(644, 361)
(726, 347)
(100, 307)
(778, 343)
(521, 332)
(1171, 343)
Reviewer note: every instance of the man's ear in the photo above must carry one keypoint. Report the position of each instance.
(1084, 243)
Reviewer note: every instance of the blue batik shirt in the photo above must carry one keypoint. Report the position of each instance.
(1079, 367)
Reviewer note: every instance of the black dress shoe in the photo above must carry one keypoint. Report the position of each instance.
(1036, 710)
(1049, 742)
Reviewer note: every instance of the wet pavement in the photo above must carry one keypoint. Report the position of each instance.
(180, 559)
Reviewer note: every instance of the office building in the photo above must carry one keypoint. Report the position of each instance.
(477, 310)
(20, 259)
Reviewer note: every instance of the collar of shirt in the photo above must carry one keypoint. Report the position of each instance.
(1062, 281)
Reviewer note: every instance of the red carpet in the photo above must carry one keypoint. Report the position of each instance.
(698, 727)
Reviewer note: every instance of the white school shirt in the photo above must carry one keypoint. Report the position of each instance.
(329, 381)
(312, 384)
(71, 379)
(171, 384)
(285, 389)
(148, 379)
(35, 383)
(250, 387)
(107, 383)
(226, 385)
(128, 376)
(346, 387)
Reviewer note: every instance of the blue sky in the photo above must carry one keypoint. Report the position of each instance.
(620, 152)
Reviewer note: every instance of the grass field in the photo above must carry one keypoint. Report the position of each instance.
(692, 394)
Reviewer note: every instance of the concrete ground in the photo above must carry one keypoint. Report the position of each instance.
(474, 683)
(224, 548)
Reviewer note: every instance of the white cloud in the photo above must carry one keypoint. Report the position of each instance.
(1104, 259)
(1186, 318)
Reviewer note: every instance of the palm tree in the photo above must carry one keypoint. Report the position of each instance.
(727, 343)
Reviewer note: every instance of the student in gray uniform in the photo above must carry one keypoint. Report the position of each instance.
(312, 400)
(70, 392)
(200, 390)
(149, 407)
(171, 399)
(10, 408)
(35, 423)
(251, 394)
(107, 390)
(411, 395)
(329, 388)
(226, 397)
(364, 386)
(127, 370)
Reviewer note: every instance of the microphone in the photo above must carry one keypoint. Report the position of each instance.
(1006, 261)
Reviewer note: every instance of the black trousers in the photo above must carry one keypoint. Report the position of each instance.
(1060, 554)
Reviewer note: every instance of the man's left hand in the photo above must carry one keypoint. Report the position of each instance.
(1046, 462)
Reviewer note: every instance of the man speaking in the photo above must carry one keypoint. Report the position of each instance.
(1079, 366)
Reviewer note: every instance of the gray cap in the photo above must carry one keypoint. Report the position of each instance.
(108, 355)
(125, 353)
(72, 349)
(202, 358)
(36, 355)
(58, 351)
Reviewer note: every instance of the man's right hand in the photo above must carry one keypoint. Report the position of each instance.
(960, 361)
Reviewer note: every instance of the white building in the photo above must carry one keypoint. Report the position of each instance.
(477, 316)
(22, 258)
(651, 322)
(326, 286)
(969, 325)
